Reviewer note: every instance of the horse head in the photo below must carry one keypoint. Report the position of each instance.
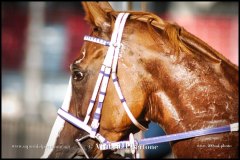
(166, 75)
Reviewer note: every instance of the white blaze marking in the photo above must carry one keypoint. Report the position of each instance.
(58, 124)
(84, 53)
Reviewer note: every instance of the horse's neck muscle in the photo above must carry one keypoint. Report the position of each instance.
(191, 98)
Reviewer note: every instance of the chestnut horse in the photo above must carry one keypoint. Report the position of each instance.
(167, 76)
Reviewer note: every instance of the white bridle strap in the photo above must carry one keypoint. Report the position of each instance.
(115, 44)
(124, 103)
(73, 120)
(110, 53)
(107, 62)
(96, 40)
(111, 60)
(94, 95)
(115, 79)
(119, 25)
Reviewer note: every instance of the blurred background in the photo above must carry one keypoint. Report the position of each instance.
(41, 39)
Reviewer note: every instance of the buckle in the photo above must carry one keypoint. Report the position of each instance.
(116, 45)
(133, 145)
(80, 145)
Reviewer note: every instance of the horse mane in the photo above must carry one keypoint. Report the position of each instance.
(179, 38)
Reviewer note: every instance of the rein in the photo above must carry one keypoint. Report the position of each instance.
(168, 138)
(109, 67)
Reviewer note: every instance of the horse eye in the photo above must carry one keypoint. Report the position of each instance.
(78, 76)
(96, 29)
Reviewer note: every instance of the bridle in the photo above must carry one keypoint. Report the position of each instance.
(109, 67)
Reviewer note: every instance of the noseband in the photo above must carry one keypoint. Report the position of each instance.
(109, 67)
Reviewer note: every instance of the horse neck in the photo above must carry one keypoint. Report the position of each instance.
(191, 93)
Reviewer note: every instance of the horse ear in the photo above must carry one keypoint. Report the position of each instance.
(96, 13)
(105, 6)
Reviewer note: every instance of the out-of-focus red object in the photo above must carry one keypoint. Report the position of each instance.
(220, 32)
